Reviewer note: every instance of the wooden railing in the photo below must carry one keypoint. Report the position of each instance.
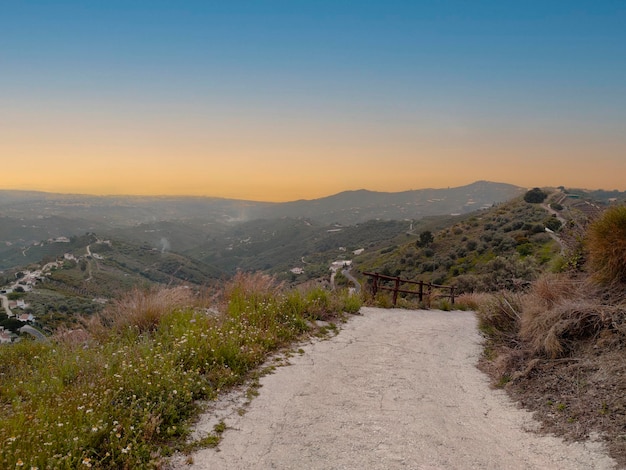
(424, 289)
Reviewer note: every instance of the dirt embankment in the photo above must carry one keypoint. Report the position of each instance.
(395, 389)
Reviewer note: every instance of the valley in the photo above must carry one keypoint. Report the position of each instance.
(74, 253)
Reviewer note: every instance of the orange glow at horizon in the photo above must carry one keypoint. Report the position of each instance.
(280, 161)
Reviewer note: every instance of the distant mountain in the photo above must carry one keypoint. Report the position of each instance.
(344, 208)
(351, 207)
(29, 219)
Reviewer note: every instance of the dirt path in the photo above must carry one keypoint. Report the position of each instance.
(396, 389)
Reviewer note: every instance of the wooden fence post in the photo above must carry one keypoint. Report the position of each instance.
(395, 291)
(375, 285)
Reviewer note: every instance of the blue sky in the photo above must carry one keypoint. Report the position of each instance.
(260, 99)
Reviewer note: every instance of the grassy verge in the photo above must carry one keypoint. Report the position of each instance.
(559, 349)
(121, 393)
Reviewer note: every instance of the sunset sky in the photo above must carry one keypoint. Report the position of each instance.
(283, 100)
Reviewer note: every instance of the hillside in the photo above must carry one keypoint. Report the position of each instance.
(80, 275)
(555, 342)
(503, 247)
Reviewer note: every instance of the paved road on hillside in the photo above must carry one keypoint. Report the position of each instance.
(396, 389)
(4, 303)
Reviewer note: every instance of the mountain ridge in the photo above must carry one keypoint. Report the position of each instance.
(346, 207)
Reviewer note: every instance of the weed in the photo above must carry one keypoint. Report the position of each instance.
(604, 409)
(127, 394)
(505, 379)
(219, 428)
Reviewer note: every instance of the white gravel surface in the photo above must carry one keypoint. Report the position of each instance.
(395, 389)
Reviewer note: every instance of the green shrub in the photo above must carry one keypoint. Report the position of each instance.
(552, 223)
(535, 196)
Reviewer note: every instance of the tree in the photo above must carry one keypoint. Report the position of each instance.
(535, 196)
(11, 324)
(426, 238)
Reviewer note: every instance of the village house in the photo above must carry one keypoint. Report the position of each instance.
(335, 265)
(26, 318)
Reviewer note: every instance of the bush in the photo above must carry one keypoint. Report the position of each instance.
(606, 245)
(553, 223)
(426, 238)
(535, 196)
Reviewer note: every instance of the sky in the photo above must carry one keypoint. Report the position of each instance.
(285, 100)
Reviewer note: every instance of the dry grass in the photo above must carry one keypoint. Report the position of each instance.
(554, 331)
(471, 300)
(606, 245)
(559, 310)
(499, 316)
(551, 317)
(549, 289)
(255, 284)
(141, 309)
(72, 338)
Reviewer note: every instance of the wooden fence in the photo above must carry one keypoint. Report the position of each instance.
(424, 289)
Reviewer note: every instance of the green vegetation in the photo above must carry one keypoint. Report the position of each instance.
(505, 247)
(120, 392)
(535, 196)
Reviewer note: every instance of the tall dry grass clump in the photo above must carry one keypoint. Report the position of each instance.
(499, 316)
(471, 300)
(559, 311)
(606, 245)
(255, 284)
(141, 309)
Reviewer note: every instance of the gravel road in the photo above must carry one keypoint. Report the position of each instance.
(395, 389)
